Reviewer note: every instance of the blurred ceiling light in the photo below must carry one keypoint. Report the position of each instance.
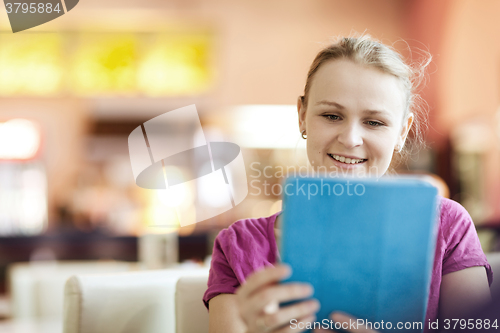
(266, 126)
(108, 63)
(19, 139)
(171, 198)
(178, 195)
(23, 198)
(105, 63)
(176, 66)
(210, 192)
(32, 209)
(30, 64)
(161, 218)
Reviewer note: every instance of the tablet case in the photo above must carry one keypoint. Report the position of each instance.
(366, 246)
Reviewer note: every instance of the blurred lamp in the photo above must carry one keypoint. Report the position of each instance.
(19, 139)
(267, 126)
(211, 193)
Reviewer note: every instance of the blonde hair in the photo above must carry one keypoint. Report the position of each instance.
(367, 51)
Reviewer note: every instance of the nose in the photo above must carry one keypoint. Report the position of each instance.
(350, 135)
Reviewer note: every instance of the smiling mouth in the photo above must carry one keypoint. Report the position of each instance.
(347, 160)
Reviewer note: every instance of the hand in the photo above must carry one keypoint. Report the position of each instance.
(259, 297)
(344, 320)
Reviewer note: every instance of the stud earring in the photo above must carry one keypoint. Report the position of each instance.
(303, 134)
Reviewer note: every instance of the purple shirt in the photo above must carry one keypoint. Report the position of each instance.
(247, 245)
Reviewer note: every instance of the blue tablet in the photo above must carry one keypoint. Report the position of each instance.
(367, 246)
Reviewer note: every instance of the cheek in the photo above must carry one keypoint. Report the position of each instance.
(383, 147)
(318, 137)
(314, 149)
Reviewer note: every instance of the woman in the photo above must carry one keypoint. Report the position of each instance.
(357, 110)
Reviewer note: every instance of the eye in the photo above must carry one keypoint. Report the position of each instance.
(331, 117)
(374, 123)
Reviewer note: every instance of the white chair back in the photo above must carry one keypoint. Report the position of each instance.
(37, 289)
(191, 315)
(124, 303)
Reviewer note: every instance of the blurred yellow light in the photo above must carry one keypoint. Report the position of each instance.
(30, 63)
(19, 139)
(158, 215)
(104, 63)
(176, 66)
(93, 64)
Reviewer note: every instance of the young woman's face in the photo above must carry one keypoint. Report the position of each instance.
(354, 119)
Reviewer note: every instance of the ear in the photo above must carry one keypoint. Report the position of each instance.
(405, 130)
(302, 114)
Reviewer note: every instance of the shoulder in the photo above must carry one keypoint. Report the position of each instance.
(453, 215)
(247, 230)
(457, 229)
(450, 208)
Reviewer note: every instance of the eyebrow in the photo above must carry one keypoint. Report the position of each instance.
(341, 107)
(337, 105)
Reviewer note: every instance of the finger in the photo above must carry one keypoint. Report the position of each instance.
(263, 277)
(257, 305)
(341, 317)
(271, 308)
(301, 325)
(293, 313)
(277, 294)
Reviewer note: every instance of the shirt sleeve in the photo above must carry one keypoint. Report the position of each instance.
(221, 279)
(463, 247)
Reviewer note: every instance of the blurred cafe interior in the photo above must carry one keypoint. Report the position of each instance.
(72, 90)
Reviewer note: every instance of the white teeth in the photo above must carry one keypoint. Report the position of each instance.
(346, 160)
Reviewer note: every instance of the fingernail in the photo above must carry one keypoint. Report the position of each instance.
(286, 268)
(307, 289)
(314, 306)
(286, 271)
